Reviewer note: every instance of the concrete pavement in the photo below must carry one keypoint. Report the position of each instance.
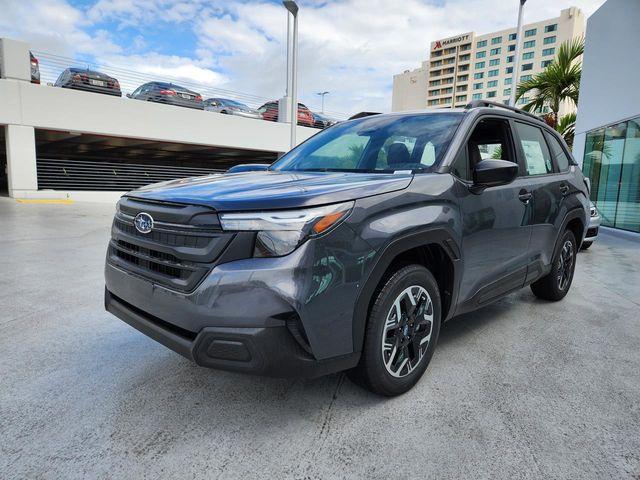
(520, 389)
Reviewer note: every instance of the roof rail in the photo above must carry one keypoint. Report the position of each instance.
(487, 103)
(363, 114)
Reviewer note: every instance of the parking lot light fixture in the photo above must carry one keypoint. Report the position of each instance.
(322, 94)
(292, 8)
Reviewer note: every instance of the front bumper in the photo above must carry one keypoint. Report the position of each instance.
(269, 351)
(592, 230)
(286, 316)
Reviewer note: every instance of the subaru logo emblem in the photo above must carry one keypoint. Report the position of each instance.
(143, 222)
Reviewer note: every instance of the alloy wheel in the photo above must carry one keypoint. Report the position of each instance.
(407, 331)
(565, 264)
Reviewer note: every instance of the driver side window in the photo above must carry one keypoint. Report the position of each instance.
(491, 139)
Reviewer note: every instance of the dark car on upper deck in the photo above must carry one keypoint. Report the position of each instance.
(351, 250)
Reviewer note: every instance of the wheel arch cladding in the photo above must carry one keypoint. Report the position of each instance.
(435, 249)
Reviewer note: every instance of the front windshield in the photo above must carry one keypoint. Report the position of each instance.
(378, 143)
(231, 103)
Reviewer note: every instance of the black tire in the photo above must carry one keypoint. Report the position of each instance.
(371, 373)
(585, 245)
(555, 285)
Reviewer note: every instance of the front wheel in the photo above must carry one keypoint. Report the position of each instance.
(401, 333)
(555, 285)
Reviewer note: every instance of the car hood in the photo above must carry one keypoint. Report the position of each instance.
(272, 189)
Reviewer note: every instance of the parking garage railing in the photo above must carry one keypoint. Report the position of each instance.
(51, 66)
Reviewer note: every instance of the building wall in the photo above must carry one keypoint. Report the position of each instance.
(609, 90)
(453, 63)
(607, 141)
(410, 90)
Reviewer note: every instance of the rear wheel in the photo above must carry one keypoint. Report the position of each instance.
(401, 333)
(556, 284)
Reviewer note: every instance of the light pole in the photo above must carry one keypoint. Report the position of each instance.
(516, 64)
(292, 8)
(322, 94)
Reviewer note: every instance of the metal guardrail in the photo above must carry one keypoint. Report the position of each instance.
(58, 174)
(52, 65)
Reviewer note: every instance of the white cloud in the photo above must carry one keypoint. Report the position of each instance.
(350, 47)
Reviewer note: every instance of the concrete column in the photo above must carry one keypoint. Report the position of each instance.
(21, 160)
(15, 63)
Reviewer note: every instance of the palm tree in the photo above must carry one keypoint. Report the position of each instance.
(567, 127)
(560, 81)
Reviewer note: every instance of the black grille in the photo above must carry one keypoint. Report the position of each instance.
(175, 255)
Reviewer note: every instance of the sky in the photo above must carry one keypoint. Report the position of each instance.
(351, 48)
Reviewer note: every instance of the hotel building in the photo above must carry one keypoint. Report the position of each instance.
(469, 67)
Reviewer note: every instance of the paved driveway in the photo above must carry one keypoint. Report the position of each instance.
(520, 389)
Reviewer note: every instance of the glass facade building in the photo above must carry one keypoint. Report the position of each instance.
(612, 163)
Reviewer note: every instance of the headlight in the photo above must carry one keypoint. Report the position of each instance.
(281, 232)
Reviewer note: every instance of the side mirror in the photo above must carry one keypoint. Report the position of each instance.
(248, 167)
(128, 95)
(491, 173)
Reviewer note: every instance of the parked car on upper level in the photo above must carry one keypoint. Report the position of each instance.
(230, 107)
(35, 68)
(169, 93)
(89, 81)
(322, 121)
(269, 112)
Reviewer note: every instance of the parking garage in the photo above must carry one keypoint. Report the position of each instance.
(88, 162)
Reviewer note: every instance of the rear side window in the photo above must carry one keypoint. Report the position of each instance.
(562, 160)
(536, 152)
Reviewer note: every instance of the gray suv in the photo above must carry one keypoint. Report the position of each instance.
(351, 250)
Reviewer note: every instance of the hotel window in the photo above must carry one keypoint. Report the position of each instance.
(548, 51)
(527, 66)
(448, 70)
(512, 48)
(478, 75)
(464, 58)
(450, 50)
(479, 64)
(546, 63)
(527, 56)
(437, 63)
(465, 47)
(477, 86)
(611, 161)
(549, 40)
(530, 33)
(447, 90)
(477, 96)
(506, 92)
(508, 70)
(507, 81)
(463, 78)
(482, 43)
(495, 51)
(492, 83)
(513, 36)
(446, 100)
(491, 94)
(510, 59)
(524, 78)
(523, 100)
(461, 88)
(433, 83)
(461, 98)
(433, 102)
(530, 44)
(481, 54)
(463, 68)
(434, 92)
(494, 62)
(496, 40)
(551, 28)
(494, 73)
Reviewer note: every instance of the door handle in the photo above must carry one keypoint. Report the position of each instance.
(564, 189)
(524, 196)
